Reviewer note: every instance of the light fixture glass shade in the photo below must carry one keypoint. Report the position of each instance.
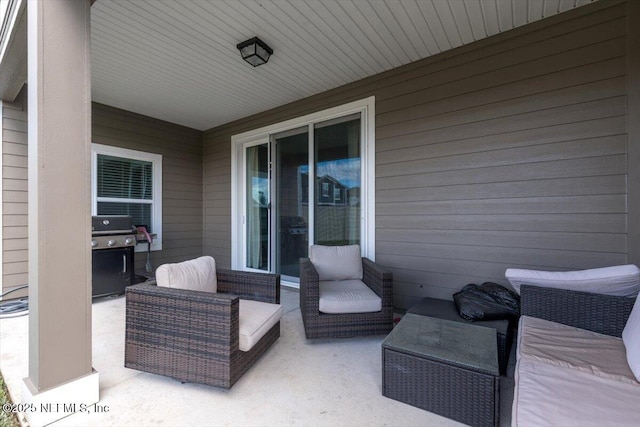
(255, 51)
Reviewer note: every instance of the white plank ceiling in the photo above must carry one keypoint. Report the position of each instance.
(176, 60)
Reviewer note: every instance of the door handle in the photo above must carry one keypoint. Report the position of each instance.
(124, 263)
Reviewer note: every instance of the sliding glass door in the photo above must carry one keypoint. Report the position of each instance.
(281, 178)
(307, 181)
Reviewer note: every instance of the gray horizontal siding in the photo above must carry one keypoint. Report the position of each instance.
(633, 130)
(180, 147)
(14, 194)
(217, 198)
(181, 150)
(534, 145)
(509, 152)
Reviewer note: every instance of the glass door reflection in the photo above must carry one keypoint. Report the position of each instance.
(291, 190)
(302, 187)
(257, 207)
(337, 177)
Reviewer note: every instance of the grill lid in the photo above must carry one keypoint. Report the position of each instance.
(112, 224)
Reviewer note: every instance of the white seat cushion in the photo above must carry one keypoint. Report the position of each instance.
(336, 262)
(621, 280)
(256, 319)
(567, 376)
(196, 274)
(574, 348)
(348, 296)
(550, 395)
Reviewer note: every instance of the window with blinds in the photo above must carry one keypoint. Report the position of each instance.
(125, 187)
(128, 182)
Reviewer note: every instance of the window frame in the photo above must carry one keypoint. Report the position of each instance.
(156, 201)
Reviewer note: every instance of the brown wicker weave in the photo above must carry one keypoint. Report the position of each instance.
(455, 392)
(193, 336)
(605, 314)
(322, 325)
(441, 366)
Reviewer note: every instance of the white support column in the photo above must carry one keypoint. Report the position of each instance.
(59, 93)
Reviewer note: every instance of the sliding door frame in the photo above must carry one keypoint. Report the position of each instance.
(239, 142)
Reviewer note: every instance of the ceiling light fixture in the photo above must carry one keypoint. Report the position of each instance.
(255, 51)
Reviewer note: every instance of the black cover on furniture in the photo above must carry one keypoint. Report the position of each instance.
(445, 309)
(193, 336)
(488, 301)
(323, 325)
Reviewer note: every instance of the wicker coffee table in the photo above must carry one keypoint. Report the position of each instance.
(446, 367)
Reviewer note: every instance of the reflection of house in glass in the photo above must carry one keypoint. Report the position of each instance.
(353, 196)
(337, 211)
(329, 191)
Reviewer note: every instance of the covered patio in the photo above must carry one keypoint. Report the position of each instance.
(315, 383)
(491, 135)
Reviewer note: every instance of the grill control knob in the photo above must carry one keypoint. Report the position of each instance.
(128, 241)
(111, 243)
(94, 243)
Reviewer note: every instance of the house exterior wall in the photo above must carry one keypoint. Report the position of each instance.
(180, 147)
(508, 152)
(181, 150)
(633, 129)
(14, 194)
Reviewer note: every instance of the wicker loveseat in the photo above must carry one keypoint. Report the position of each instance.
(572, 368)
(193, 336)
(318, 324)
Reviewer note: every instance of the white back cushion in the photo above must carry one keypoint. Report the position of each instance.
(631, 339)
(621, 280)
(336, 262)
(196, 274)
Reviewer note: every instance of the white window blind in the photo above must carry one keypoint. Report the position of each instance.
(128, 182)
(125, 187)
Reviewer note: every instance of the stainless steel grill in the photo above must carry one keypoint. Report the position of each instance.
(113, 239)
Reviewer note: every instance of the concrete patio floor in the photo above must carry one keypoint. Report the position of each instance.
(297, 382)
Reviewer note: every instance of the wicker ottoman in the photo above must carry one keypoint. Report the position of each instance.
(449, 368)
(444, 309)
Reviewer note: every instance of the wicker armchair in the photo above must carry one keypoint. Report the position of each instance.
(193, 336)
(323, 325)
